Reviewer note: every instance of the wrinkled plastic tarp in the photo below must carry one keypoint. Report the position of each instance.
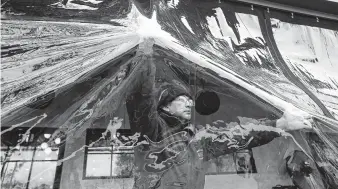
(86, 89)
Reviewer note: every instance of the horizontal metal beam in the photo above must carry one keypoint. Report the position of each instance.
(290, 8)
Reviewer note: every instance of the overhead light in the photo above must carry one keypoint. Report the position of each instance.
(46, 135)
(44, 145)
(57, 141)
(27, 137)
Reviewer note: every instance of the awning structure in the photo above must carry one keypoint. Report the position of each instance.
(319, 8)
(169, 94)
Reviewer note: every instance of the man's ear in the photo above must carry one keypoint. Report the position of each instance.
(165, 108)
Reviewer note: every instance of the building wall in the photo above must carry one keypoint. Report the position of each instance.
(268, 158)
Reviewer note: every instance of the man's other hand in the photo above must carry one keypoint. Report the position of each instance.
(294, 119)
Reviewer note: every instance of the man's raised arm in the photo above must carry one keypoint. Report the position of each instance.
(250, 133)
(218, 142)
(139, 100)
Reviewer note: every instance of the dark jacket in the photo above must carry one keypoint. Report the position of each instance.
(172, 154)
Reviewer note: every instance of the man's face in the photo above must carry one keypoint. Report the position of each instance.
(180, 107)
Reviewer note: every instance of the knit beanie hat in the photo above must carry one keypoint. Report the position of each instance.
(168, 92)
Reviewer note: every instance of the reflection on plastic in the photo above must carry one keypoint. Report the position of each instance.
(166, 94)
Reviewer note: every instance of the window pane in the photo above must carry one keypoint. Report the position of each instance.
(122, 165)
(23, 154)
(226, 163)
(1, 168)
(43, 174)
(5, 178)
(47, 154)
(3, 153)
(16, 175)
(98, 165)
(222, 164)
(243, 162)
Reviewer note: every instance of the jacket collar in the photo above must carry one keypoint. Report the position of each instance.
(174, 124)
(172, 121)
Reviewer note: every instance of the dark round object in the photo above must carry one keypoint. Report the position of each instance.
(207, 103)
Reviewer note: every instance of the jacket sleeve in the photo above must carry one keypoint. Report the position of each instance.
(218, 142)
(139, 100)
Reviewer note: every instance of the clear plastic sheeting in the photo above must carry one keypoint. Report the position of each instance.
(166, 94)
(310, 52)
(232, 36)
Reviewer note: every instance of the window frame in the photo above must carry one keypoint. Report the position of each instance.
(34, 133)
(124, 132)
(233, 155)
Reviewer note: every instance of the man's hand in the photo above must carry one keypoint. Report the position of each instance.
(294, 119)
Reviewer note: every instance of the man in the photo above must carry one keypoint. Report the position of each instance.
(172, 151)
